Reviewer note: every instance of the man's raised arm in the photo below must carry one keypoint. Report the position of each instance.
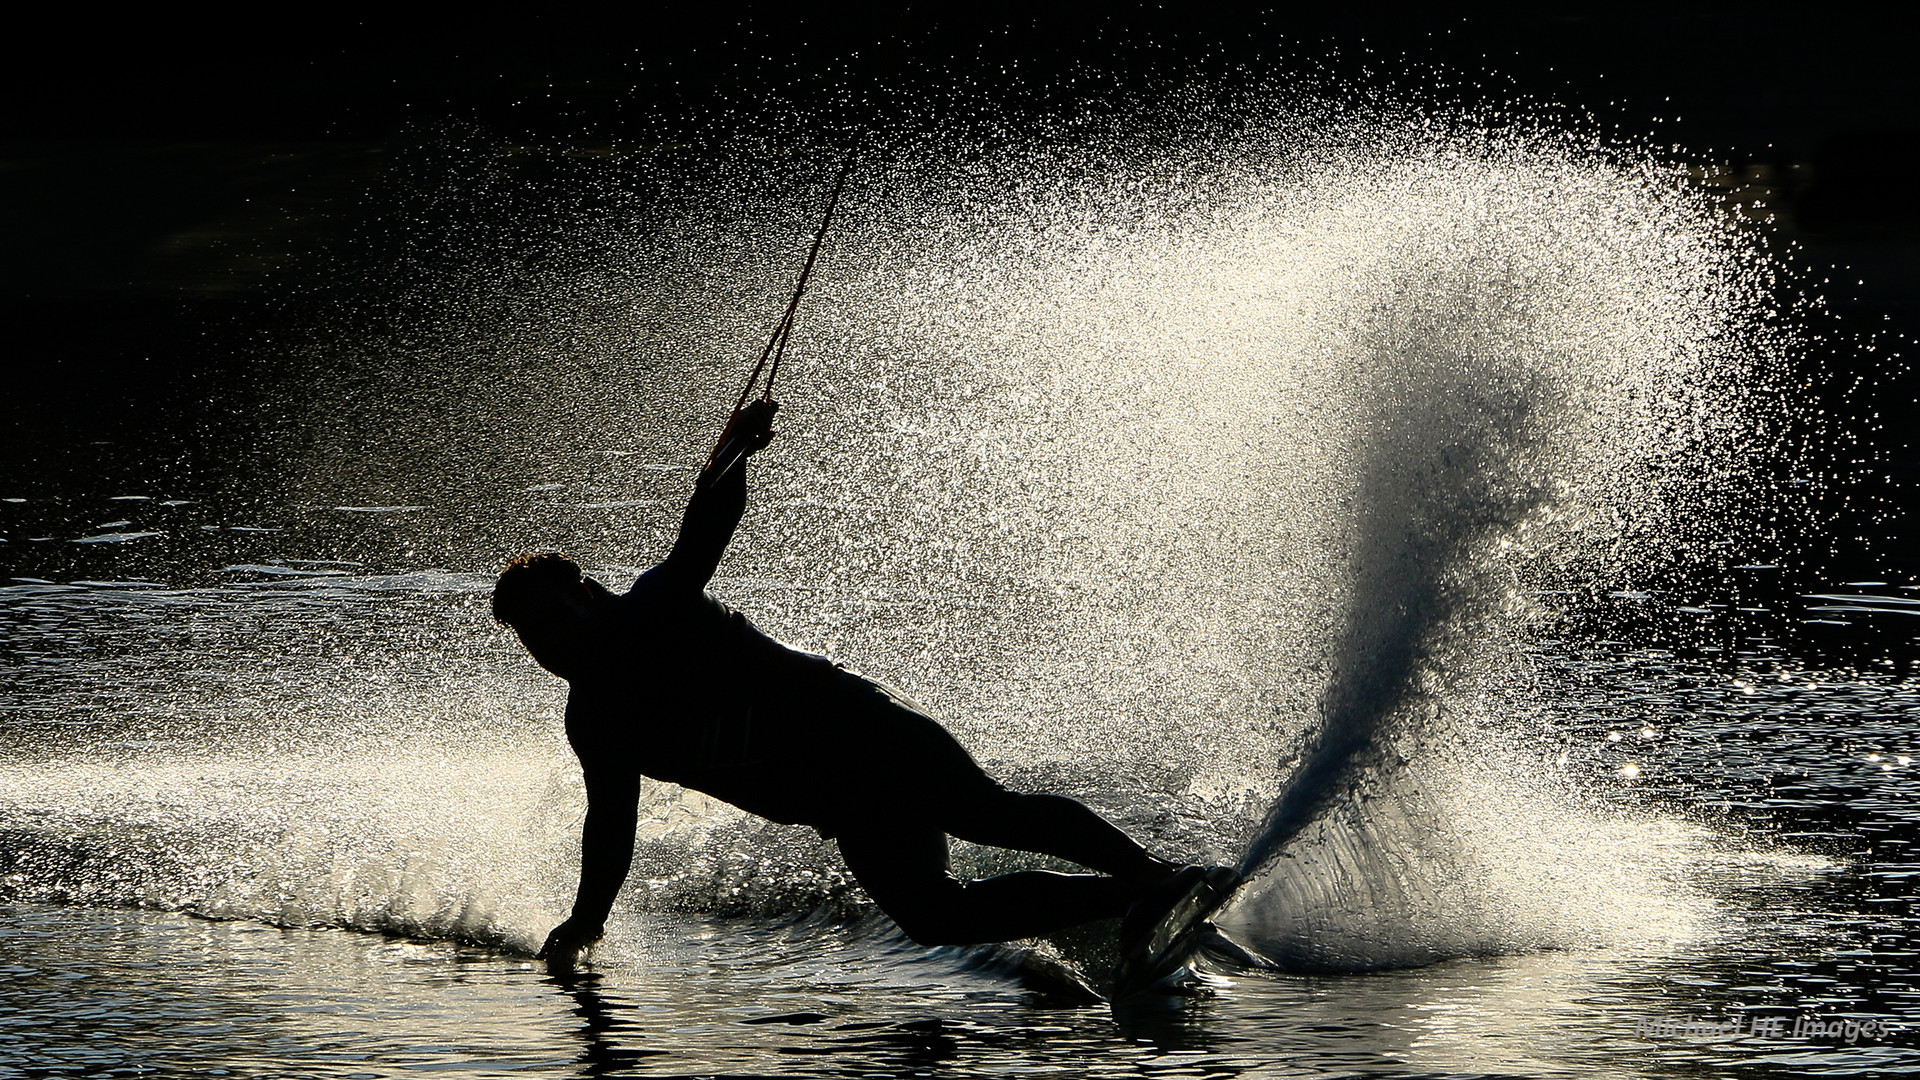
(719, 497)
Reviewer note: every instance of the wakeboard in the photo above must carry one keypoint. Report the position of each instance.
(1168, 946)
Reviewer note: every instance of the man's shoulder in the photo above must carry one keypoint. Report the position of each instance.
(589, 704)
(587, 698)
(653, 579)
(590, 710)
(661, 585)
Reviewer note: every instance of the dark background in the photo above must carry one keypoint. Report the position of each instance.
(168, 178)
(1828, 90)
(1757, 81)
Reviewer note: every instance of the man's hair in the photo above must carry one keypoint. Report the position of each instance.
(527, 577)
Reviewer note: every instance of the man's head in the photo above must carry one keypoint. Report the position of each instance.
(554, 608)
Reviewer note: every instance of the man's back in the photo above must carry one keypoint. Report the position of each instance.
(692, 693)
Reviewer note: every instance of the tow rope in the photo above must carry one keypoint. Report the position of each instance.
(777, 344)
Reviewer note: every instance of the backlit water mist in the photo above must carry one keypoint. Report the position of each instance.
(1245, 480)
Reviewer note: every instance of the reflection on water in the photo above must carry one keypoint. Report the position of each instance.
(92, 990)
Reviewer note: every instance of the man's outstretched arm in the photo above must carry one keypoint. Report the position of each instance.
(719, 497)
(606, 850)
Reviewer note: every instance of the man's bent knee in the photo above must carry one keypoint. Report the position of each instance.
(937, 919)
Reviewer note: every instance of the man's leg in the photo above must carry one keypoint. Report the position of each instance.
(906, 871)
(1053, 825)
(916, 766)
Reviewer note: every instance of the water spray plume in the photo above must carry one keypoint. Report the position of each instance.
(1220, 467)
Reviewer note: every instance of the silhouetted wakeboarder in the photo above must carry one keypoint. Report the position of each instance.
(668, 682)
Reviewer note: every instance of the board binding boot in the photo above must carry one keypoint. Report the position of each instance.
(1164, 929)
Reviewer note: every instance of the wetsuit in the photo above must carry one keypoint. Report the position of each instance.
(690, 692)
